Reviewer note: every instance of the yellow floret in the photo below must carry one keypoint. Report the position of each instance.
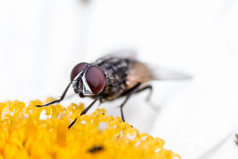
(24, 134)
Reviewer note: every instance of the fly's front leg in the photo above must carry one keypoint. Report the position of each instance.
(88, 107)
(58, 100)
(85, 111)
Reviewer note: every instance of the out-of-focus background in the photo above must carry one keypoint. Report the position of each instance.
(41, 41)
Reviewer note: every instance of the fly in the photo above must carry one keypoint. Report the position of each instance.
(113, 76)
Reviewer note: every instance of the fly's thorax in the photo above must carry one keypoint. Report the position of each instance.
(115, 70)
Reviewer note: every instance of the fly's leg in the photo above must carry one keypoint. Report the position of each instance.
(145, 88)
(131, 92)
(85, 111)
(88, 107)
(155, 108)
(58, 100)
(135, 89)
(71, 124)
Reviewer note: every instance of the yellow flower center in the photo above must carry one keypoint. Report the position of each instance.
(24, 134)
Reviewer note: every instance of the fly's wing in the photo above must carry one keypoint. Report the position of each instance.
(122, 54)
(162, 73)
(147, 72)
(129, 55)
(142, 73)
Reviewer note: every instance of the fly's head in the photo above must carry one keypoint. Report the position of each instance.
(87, 79)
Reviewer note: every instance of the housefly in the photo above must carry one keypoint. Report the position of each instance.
(115, 75)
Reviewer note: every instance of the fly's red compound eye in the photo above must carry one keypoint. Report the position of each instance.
(77, 69)
(95, 79)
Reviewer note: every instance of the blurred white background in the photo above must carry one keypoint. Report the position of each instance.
(41, 41)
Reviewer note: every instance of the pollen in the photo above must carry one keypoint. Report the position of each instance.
(30, 132)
